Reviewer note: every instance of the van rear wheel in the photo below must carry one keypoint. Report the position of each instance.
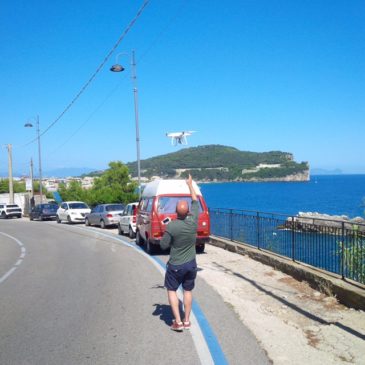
(139, 240)
(200, 248)
(150, 248)
(131, 233)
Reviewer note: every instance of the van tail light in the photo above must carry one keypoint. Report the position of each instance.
(203, 233)
(109, 215)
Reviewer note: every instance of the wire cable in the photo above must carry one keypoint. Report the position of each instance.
(88, 118)
(176, 15)
(125, 32)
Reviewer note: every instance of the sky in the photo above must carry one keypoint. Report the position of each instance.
(257, 75)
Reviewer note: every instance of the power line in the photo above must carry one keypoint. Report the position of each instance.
(88, 118)
(164, 30)
(129, 27)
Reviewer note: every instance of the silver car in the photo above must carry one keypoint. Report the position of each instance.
(104, 215)
(127, 221)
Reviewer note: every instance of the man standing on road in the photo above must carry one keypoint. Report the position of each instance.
(181, 268)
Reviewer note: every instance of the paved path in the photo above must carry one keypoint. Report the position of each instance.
(294, 323)
(77, 295)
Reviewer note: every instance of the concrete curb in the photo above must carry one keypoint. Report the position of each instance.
(351, 295)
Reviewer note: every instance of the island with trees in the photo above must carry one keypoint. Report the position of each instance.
(215, 163)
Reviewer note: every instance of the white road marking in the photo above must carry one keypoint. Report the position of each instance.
(20, 259)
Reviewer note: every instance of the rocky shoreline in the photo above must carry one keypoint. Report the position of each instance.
(300, 177)
(325, 223)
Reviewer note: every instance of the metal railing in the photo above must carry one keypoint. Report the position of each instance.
(332, 245)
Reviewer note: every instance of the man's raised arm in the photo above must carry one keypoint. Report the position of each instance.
(189, 182)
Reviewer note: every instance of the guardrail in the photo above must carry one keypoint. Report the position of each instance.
(332, 245)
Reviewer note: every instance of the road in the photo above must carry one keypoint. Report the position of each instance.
(76, 295)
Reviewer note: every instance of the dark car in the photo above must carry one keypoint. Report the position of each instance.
(43, 212)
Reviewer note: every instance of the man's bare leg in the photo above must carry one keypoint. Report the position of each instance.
(188, 300)
(174, 303)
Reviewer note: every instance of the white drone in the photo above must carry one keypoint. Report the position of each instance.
(179, 137)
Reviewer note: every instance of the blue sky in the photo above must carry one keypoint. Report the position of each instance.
(257, 75)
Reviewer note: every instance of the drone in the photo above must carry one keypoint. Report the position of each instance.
(179, 137)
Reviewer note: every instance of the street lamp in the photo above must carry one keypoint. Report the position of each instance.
(30, 125)
(120, 68)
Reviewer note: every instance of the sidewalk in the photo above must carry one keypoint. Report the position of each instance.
(294, 323)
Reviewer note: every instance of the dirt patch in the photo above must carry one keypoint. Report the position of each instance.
(313, 340)
(344, 359)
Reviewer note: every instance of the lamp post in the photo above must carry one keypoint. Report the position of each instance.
(31, 184)
(30, 125)
(119, 68)
(10, 164)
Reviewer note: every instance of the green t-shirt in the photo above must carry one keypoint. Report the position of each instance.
(180, 234)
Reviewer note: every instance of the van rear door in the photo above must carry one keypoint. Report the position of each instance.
(166, 207)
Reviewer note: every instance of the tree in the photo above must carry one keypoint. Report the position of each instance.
(18, 186)
(72, 192)
(113, 186)
(48, 194)
(352, 251)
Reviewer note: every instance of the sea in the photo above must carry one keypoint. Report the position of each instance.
(325, 194)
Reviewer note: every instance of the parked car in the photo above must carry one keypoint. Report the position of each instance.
(43, 212)
(128, 219)
(158, 207)
(72, 212)
(104, 215)
(10, 211)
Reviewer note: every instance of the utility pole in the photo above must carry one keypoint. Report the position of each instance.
(40, 160)
(10, 164)
(31, 177)
(135, 93)
(32, 203)
(28, 124)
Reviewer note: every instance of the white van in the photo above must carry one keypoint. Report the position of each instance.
(158, 206)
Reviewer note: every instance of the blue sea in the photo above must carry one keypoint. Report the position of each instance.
(335, 195)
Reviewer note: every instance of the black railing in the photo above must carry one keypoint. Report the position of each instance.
(332, 245)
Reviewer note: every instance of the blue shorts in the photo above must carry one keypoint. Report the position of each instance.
(184, 274)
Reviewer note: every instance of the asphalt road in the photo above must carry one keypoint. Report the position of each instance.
(76, 295)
